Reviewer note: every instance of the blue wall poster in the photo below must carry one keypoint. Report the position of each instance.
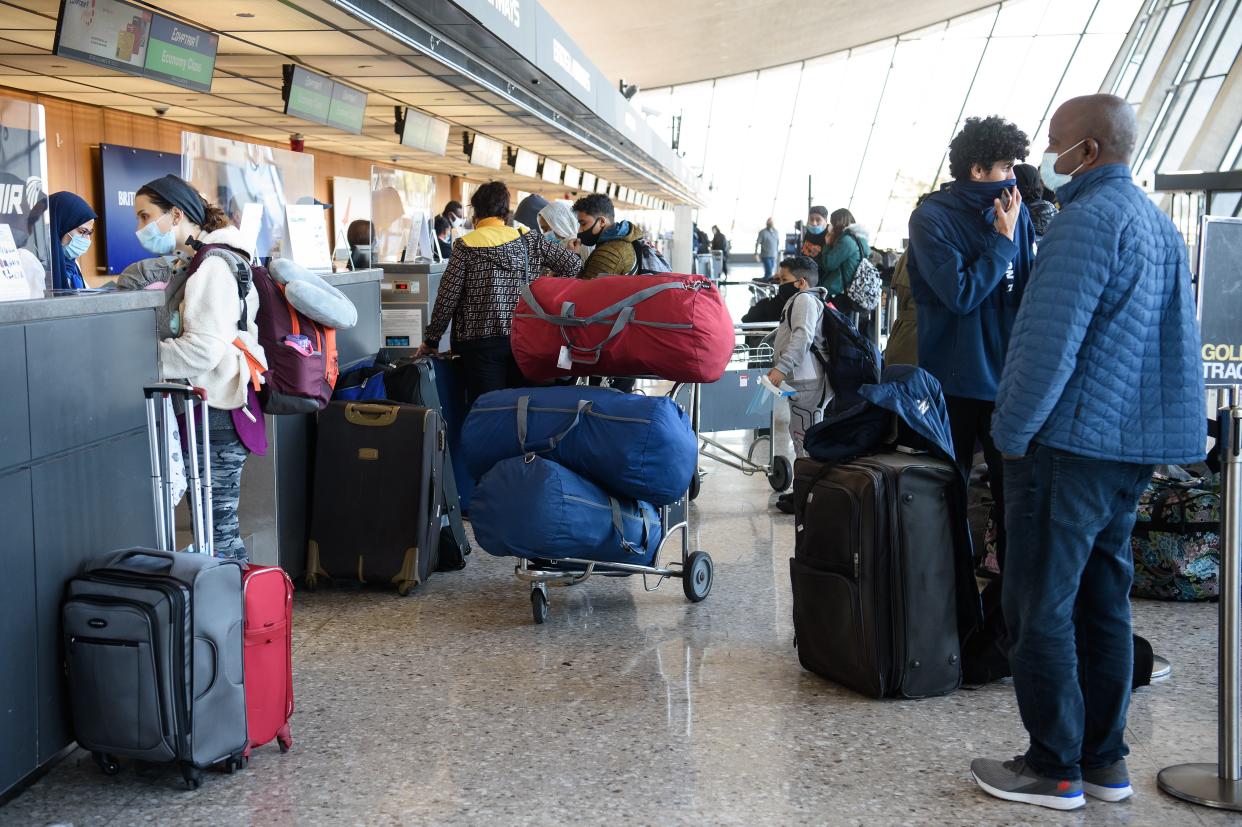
(124, 170)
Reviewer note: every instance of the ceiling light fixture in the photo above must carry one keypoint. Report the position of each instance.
(245, 15)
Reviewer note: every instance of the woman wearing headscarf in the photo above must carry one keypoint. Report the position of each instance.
(207, 336)
(559, 226)
(73, 225)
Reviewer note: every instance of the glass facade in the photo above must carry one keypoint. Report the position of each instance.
(869, 128)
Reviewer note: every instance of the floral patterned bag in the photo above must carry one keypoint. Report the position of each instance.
(1176, 540)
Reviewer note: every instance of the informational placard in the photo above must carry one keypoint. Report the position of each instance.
(486, 152)
(573, 177)
(308, 236)
(132, 39)
(251, 225)
(551, 171)
(123, 170)
(526, 163)
(320, 99)
(402, 327)
(421, 131)
(588, 182)
(13, 284)
(1220, 300)
(351, 201)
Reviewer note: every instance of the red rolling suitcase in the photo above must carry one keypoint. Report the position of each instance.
(672, 326)
(267, 594)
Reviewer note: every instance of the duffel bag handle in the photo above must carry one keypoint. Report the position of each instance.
(523, 414)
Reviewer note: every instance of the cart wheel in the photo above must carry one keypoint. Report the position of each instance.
(782, 473)
(107, 763)
(539, 605)
(696, 578)
(695, 484)
(404, 589)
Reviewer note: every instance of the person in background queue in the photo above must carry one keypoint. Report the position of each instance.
(613, 240)
(720, 244)
(360, 236)
(203, 340)
(486, 272)
(767, 248)
(442, 230)
(73, 225)
(560, 226)
(1032, 189)
(1102, 382)
(971, 248)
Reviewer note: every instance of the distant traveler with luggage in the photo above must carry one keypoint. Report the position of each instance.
(613, 240)
(800, 332)
(767, 248)
(846, 244)
(971, 248)
(1101, 383)
(205, 337)
(485, 275)
(720, 244)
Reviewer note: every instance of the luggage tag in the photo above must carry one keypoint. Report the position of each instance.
(564, 361)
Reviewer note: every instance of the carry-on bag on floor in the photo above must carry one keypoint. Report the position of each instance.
(534, 508)
(672, 326)
(1176, 540)
(267, 596)
(153, 637)
(874, 573)
(377, 494)
(641, 447)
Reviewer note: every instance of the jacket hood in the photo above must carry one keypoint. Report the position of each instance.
(860, 231)
(229, 235)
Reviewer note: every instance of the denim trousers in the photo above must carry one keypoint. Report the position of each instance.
(769, 266)
(1066, 600)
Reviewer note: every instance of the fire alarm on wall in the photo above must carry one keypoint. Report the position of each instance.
(296, 142)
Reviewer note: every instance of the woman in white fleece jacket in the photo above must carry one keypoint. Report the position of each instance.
(206, 334)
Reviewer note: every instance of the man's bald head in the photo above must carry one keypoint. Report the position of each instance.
(1107, 120)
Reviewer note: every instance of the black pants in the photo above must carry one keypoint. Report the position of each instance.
(625, 384)
(971, 420)
(488, 365)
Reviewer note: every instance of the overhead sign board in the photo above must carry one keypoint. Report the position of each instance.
(1220, 300)
(526, 163)
(559, 58)
(573, 177)
(486, 152)
(320, 99)
(551, 171)
(588, 182)
(420, 131)
(513, 21)
(132, 39)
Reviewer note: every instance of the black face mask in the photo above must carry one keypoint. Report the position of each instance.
(590, 236)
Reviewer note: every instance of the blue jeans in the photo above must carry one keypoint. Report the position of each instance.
(1066, 599)
(769, 266)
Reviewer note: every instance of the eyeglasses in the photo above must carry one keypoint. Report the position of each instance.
(84, 233)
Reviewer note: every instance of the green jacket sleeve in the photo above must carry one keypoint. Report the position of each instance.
(609, 258)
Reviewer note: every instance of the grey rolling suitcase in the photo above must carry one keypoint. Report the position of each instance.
(154, 637)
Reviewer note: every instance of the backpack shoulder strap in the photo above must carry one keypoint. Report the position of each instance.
(240, 266)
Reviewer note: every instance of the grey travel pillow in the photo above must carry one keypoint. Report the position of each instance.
(310, 294)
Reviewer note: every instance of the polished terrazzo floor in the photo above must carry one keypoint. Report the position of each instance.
(452, 707)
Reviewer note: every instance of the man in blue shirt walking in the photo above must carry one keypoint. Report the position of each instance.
(1101, 382)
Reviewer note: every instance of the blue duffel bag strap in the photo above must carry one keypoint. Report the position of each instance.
(523, 414)
(624, 311)
(619, 524)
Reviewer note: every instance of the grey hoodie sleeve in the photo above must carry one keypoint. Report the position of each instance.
(798, 331)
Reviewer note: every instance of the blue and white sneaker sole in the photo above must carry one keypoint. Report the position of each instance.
(1053, 802)
(1118, 793)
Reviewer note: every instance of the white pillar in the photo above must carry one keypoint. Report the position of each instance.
(681, 257)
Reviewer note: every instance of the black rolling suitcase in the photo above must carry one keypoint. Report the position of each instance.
(377, 494)
(154, 637)
(873, 573)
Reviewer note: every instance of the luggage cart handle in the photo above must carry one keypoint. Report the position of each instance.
(174, 389)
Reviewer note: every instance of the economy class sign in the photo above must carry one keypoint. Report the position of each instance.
(1220, 300)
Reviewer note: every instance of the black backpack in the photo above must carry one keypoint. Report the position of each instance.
(648, 261)
(852, 360)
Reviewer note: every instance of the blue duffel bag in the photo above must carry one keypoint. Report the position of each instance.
(634, 446)
(534, 508)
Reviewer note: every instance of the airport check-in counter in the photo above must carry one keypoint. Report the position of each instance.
(75, 482)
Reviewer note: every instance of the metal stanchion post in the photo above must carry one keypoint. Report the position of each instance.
(1220, 784)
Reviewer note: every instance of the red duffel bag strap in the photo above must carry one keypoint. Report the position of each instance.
(623, 311)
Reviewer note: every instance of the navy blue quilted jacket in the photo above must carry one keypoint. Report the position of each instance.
(1104, 359)
(967, 280)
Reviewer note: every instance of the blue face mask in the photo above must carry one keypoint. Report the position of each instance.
(77, 246)
(552, 237)
(156, 241)
(813, 230)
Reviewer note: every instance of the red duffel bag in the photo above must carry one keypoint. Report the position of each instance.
(671, 326)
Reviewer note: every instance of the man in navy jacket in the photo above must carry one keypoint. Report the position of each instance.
(1102, 381)
(971, 246)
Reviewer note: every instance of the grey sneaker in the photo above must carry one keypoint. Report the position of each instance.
(1161, 669)
(1015, 781)
(1111, 783)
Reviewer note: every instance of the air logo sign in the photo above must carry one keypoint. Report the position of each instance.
(17, 197)
(1220, 300)
(511, 10)
(564, 59)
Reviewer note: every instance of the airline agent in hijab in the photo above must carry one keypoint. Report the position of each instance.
(73, 225)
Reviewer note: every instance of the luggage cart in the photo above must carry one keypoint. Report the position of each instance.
(694, 569)
(725, 405)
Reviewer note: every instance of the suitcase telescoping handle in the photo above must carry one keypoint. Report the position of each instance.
(161, 420)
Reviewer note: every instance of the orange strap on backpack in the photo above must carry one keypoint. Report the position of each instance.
(327, 345)
(256, 367)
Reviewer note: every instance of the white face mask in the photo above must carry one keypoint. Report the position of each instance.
(1047, 169)
(459, 222)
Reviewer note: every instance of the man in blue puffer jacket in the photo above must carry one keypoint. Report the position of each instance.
(1102, 381)
(971, 247)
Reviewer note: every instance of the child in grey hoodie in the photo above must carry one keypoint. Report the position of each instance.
(801, 330)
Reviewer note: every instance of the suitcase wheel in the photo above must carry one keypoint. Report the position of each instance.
(192, 776)
(539, 605)
(696, 576)
(696, 483)
(284, 738)
(403, 589)
(781, 474)
(107, 763)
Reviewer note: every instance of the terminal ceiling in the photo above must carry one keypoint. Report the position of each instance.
(246, 97)
(655, 43)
